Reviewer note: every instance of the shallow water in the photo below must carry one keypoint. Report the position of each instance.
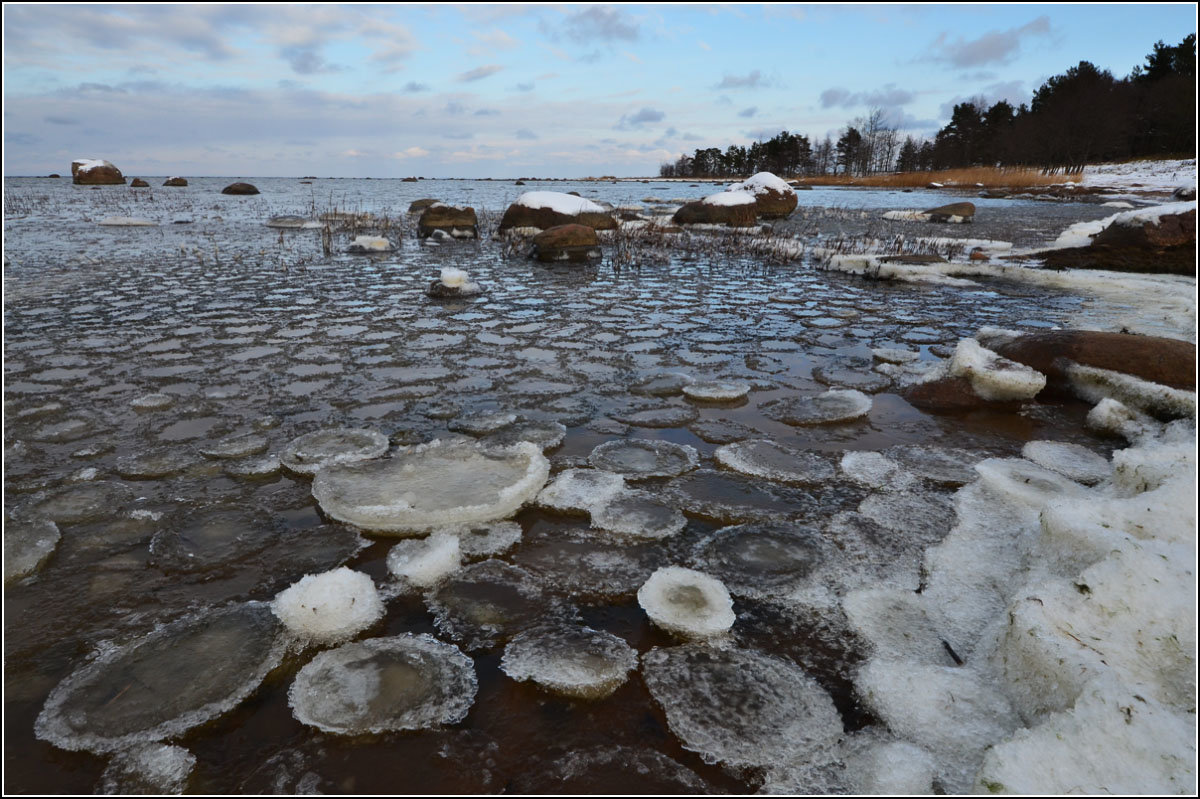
(251, 330)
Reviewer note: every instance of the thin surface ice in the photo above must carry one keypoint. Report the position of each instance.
(687, 603)
(581, 490)
(310, 453)
(946, 465)
(405, 682)
(545, 434)
(486, 603)
(575, 661)
(432, 485)
(739, 707)
(1070, 460)
(330, 607)
(876, 470)
(772, 461)
(638, 514)
(832, 406)
(199, 540)
(424, 562)
(147, 769)
(717, 391)
(166, 683)
(640, 459)
(622, 770)
(486, 539)
(765, 559)
(28, 543)
(82, 502)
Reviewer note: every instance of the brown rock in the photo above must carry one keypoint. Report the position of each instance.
(1159, 360)
(700, 213)
(420, 205)
(175, 182)
(54, 175)
(138, 183)
(944, 212)
(1172, 230)
(518, 216)
(100, 173)
(239, 188)
(409, 180)
(913, 259)
(944, 394)
(572, 243)
(771, 204)
(459, 222)
(978, 255)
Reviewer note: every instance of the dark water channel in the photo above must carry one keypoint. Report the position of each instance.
(245, 330)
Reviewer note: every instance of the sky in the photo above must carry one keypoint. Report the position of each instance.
(514, 90)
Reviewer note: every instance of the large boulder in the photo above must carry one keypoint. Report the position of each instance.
(575, 243)
(773, 197)
(954, 212)
(138, 183)
(95, 172)
(546, 209)
(729, 208)
(1167, 361)
(459, 222)
(175, 182)
(239, 188)
(1149, 231)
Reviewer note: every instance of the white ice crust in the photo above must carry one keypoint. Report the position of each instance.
(425, 562)
(992, 377)
(726, 198)
(687, 603)
(761, 183)
(329, 607)
(559, 202)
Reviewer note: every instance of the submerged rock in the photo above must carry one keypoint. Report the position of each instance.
(433, 485)
(166, 683)
(458, 222)
(739, 707)
(687, 603)
(574, 243)
(405, 682)
(329, 607)
(574, 661)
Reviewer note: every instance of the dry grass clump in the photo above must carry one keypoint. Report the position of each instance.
(989, 177)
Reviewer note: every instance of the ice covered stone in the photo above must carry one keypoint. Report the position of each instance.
(486, 603)
(433, 485)
(239, 446)
(740, 707)
(423, 562)
(667, 416)
(545, 433)
(640, 459)
(148, 769)
(155, 464)
(28, 543)
(196, 541)
(369, 244)
(941, 465)
(992, 377)
(1071, 460)
(717, 391)
(1025, 482)
(687, 603)
(1111, 417)
(950, 711)
(161, 685)
(312, 452)
(761, 559)
(638, 514)
(571, 660)
(404, 682)
(771, 461)
(662, 385)
(581, 490)
(835, 405)
(876, 470)
(81, 502)
(486, 539)
(330, 607)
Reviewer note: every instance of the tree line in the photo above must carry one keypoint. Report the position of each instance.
(1082, 116)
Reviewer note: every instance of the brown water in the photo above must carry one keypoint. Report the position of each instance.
(248, 335)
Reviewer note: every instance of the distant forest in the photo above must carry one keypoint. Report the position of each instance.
(1082, 116)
